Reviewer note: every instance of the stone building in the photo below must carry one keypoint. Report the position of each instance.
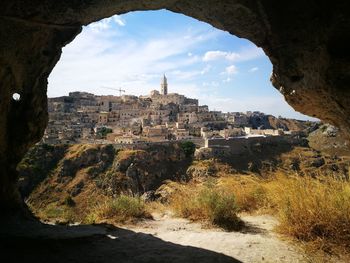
(158, 116)
(266, 132)
(159, 132)
(181, 134)
(237, 118)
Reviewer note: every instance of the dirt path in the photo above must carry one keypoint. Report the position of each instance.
(256, 243)
(164, 239)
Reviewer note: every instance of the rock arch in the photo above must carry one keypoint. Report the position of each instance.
(306, 41)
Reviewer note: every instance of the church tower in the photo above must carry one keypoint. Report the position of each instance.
(164, 86)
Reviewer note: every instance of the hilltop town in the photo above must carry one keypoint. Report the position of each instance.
(160, 116)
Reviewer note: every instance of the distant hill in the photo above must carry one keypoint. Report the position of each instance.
(272, 122)
(327, 139)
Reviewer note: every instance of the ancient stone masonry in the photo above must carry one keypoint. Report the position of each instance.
(306, 41)
(81, 117)
(158, 117)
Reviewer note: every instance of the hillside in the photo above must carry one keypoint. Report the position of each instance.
(153, 189)
(72, 179)
(66, 182)
(272, 122)
(329, 140)
(288, 124)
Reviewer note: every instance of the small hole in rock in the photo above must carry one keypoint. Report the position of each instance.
(16, 96)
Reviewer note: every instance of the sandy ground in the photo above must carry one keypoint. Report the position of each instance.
(256, 243)
(164, 239)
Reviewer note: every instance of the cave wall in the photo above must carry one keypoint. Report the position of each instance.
(28, 53)
(306, 41)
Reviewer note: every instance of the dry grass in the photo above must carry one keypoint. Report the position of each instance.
(309, 209)
(206, 202)
(211, 167)
(60, 214)
(76, 150)
(313, 210)
(249, 191)
(156, 207)
(123, 209)
(126, 154)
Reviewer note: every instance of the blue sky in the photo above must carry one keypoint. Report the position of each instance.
(134, 50)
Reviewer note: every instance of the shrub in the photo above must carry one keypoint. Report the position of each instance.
(103, 132)
(188, 147)
(220, 207)
(68, 201)
(207, 203)
(309, 209)
(315, 210)
(121, 209)
(56, 213)
(249, 191)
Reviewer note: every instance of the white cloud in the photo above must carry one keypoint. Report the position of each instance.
(119, 20)
(209, 85)
(107, 23)
(253, 69)
(244, 55)
(188, 74)
(206, 69)
(214, 55)
(183, 75)
(101, 25)
(102, 56)
(231, 70)
(227, 80)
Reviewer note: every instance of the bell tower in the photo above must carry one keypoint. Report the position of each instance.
(164, 86)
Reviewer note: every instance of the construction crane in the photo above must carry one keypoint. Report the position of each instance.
(120, 90)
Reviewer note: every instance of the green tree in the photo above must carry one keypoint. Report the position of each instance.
(103, 132)
(188, 147)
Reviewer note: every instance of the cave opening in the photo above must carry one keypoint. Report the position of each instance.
(39, 39)
(229, 77)
(299, 38)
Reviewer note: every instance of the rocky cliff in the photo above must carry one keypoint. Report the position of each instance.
(79, 175)
(66, 182)
(329, 140)
(272, 122)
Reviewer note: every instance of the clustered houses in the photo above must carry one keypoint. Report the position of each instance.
(160, 116)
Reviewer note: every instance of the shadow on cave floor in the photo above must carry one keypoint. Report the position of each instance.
(100, 243)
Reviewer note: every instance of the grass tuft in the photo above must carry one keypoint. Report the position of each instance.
(122, 209)
(313, 210)
(207, 203)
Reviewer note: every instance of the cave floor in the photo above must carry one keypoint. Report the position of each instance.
(164, 239)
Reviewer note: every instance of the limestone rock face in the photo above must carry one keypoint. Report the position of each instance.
(306, 41)
(81, 174)
(146, 169)
(327, 139)
(98, 158)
